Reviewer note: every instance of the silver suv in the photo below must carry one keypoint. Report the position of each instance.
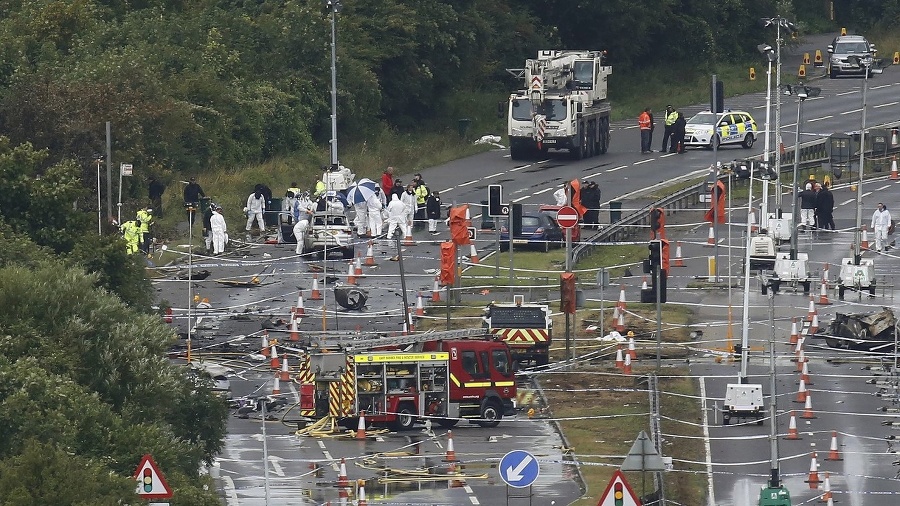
(844, 46)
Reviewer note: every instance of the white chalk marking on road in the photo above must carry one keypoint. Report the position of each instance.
(644, 161)
(846, 93)
(820, 119)
(884, 105)
(231, 498)
(844, 203)
(620, 167)
(470, 182)
(710, 491)
(852, 111)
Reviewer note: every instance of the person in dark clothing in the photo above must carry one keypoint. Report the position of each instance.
(652, 126)
(207, 228)
(590, 198)
(265, 191)
(155, 191)
(192, 194)
(678, 128)
(825, 208)
(398, 189)
(433, 211)
(807, 207)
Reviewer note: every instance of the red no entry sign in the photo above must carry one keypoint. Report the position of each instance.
(567, 217)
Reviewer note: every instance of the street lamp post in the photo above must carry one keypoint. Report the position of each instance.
(334, 6)
(779, 23)
(802, 92)
(771, 57)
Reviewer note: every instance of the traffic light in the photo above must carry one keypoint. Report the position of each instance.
(657, 223)
(717, 97)
(618, 494)
(567, 292)
(516, 219)
(147, 480)
(655, 248)
(656, 264)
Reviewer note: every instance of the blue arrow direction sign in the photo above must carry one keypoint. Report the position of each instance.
(519, 469)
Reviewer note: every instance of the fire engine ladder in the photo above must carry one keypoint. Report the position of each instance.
(325, 340)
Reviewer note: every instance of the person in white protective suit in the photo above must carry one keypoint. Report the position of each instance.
(219, 229)
(374, 205)
(881, 222)
(256, 206)
(361, 218)
(560, 196)
(302, 210)
(409, 200)
(397, 214)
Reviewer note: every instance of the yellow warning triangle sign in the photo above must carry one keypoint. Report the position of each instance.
(150, 482)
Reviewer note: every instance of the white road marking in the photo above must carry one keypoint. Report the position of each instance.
(448, 189)
(644, 161)
(620, 167)
(884, 105)
(847, 202)
(630, 127)
(470, 182)
(846, 93)
(468, 489)
(885, 187)
(521, 198)
(279, 471)
(545, 190)
(474, 499)
(820, 119)
(880, 86)
(852, 111)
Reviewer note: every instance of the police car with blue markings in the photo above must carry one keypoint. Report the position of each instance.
(710, 130)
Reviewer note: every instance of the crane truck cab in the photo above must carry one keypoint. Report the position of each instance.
(856, 276)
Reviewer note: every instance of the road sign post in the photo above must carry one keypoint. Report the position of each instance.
(150, 482)
(567, 217)
(618, 492)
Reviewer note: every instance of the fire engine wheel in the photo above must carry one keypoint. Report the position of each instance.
(490, 414)
(406, 417)
(447, 422)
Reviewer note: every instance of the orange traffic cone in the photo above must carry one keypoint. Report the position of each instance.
(792, 429)
(812, 309)
(473, 254)
(864, 243)
(632, 351)
(711, 239)
(370, 254)
(801, 357)
(451, 453)
(168, 317)
(299, 310)
(823, 294)
(833, 453)
(357, 267)
(804, 374)
(644, 283)
(678, 261)
(274, 362)
(814, 326)
(826, 496)
(408, 239)
(264, 349)
(276, 387)
(621, 303)
(813, 479)
(361, 494)
(351, 274)
(285, 370)
(894, 175)
(620, 360)
(361, 427)
(342, 475)
(795, 335)
(436, 291)
(802, 393)
(420, 307)
(316, 294)
(754, 227)
(807, 408)
(295, 334)
(626, 367)
(620, 324)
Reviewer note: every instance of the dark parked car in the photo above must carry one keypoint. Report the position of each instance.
(551, 210)
(538, 230)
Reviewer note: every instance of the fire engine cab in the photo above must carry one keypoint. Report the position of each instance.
(444, 380)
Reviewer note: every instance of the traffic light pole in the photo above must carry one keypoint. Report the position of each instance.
(659, 274)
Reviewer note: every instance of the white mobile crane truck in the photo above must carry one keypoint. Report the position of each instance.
(564, 105)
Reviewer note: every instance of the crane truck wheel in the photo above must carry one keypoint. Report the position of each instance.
(604, 135)
(490, 414)
(406, 417)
